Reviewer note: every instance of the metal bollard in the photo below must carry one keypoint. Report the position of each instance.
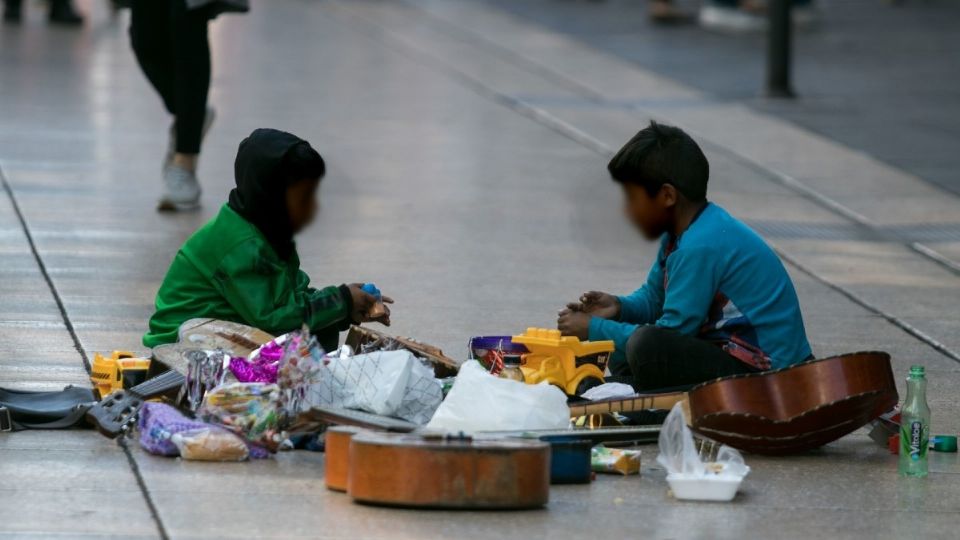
(778, 49)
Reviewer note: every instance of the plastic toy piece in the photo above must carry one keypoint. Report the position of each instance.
(564, 361)
(378, 309)
(118, 371)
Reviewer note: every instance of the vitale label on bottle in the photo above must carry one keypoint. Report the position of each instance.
(913, 441)
(916, 428)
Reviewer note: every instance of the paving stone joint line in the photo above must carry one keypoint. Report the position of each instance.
(597, 97)
(79, 347)
(575, 134)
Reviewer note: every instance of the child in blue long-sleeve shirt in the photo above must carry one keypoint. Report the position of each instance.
(717, 301)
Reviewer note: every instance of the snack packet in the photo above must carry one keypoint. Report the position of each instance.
(614, 460)
(210, 444)
(247, 409)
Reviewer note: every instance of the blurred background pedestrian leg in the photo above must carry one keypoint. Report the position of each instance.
(171, 45)
(61, 12)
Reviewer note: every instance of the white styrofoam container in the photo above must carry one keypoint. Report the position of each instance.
(711, 487)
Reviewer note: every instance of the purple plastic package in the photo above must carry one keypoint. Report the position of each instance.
(159, 422)
(262, 369)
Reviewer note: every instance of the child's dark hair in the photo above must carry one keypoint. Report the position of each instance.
(659, 155)
(301, 162)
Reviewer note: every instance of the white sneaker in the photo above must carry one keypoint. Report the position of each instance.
(181, 190)
(208, 119)
(726, 19)
(736, 20)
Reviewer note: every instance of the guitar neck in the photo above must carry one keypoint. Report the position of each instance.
(159, 385)
(639, 402)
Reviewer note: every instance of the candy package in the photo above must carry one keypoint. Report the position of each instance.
(247, 409)
(300, 367)
(614, 460)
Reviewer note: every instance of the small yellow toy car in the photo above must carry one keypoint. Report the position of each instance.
(564, 361)
(117, 371)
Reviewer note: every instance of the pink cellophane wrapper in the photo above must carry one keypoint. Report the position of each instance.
(262, 369)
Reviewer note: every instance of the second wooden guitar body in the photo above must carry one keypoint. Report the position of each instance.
(778, 412)
(798, 408)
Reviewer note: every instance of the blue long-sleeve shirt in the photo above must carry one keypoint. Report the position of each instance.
(721, 282)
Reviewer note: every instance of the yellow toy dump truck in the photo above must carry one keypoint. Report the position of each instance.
(117, 371)
(564, 361)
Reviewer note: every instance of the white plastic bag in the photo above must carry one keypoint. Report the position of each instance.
(373, 382)
(689, 477)
(479, 401)
(391, 383)
(678, 452)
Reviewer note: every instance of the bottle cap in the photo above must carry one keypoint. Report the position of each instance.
(943, 443)
(916, 371)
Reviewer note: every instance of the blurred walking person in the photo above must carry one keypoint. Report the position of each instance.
(169, 38)
(61, 12)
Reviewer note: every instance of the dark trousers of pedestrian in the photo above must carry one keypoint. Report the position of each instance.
(171, 45)
(660, 359)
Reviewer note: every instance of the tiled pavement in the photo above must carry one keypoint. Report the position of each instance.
(466, 150)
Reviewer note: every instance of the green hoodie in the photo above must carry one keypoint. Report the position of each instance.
(227, 270)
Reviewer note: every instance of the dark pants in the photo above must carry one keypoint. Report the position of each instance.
(662, 359)
(171, 45)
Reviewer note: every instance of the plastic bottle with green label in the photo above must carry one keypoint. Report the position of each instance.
(915, 425)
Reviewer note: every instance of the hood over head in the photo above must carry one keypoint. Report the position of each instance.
(261, 192)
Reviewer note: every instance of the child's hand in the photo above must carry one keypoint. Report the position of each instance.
(574, 323)
(366, 308)
(597, 304)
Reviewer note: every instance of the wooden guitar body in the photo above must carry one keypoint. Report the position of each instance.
(207, 334)
(778, 412)
(434, 472)
(336, 458)
(798, 408)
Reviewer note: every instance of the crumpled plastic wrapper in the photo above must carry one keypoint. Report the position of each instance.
(160, 424)
(204, 371)
(301, 366)
(210, 444)
(247, 409)
(262, 366)
(257, 371)
(679, 454)
(614, 460)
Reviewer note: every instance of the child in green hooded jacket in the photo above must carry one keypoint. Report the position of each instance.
(242, 266)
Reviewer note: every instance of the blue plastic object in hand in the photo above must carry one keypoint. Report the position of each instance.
(372, 290)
